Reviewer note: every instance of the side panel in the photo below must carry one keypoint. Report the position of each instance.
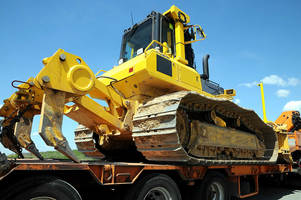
(153, 74)
(164, 66)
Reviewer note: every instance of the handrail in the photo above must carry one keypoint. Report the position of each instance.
(100, 71)
(155, 41)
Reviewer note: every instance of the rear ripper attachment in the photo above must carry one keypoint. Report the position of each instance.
(65, 78)
(189, 127)
(16, 131)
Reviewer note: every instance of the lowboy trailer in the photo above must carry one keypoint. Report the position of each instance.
(63, 179)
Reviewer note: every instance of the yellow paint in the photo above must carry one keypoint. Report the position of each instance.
(81, 78)
(180, 46)
(281, 133)
(100, 72)
(173, 13)
(64, 75)
(100, 112)
(263, 103)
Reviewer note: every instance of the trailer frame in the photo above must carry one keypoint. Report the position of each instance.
(113, 174)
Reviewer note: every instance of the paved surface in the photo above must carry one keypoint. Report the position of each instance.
(277, 193)
(291, 190)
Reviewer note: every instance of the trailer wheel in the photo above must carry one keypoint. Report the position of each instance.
(213, 187)
(154, 187)
(45, 188)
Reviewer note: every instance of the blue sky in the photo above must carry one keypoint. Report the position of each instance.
(249, 41)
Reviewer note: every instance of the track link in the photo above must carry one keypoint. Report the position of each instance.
(85, 143)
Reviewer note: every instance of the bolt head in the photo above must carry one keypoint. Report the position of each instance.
(62, 57)
(46, 79)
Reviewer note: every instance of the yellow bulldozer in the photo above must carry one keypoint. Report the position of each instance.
(157, 106)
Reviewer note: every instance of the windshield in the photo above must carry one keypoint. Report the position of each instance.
(139, 37)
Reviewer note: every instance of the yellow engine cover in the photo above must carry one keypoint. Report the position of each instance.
(153, 74)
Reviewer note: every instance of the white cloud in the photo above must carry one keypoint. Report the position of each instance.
(292, 105)
(282, 93)
(274, 80)
(249, 85)
(293, 81)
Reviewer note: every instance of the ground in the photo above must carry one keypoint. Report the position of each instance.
(291, 190)
(277, 193)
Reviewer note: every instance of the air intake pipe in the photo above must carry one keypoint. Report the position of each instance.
(205, 74)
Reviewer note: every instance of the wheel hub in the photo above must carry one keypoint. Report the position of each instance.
(43, 198)
(158, 193)
(216, 192)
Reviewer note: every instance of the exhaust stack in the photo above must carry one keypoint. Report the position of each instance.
(205, 74)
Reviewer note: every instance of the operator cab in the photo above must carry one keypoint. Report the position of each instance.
(155, 27)
(162, 28)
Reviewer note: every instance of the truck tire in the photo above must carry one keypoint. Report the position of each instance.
(154, 187)
(213, 187)
(45, 188)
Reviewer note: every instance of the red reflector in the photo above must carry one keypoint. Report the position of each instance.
(131, 69)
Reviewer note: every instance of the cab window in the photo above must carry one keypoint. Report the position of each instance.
(167, 33)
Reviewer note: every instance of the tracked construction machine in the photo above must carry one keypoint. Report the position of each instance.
(289, 123)
(158, 107)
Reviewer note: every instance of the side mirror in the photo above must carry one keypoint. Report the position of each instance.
(196, 34)
(200, 32)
